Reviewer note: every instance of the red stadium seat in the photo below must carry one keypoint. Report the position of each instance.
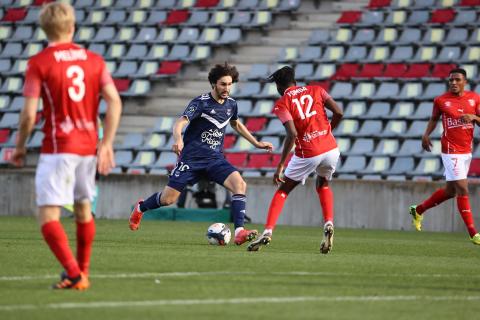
(442, 16)
(122, 84)
(41, 2)
(169, 67)
(371, 70)
(229, 141)
(4, 135)
(395, 70)
(474, 168)
(442, 70)
(206, 3)
(276, 159)
(237, 159)
(346, 71)
(374, 4)
(469, 3)
(418, 70)
(350, 17)
(260, 160)
(15, 14)
(255, 124)
(177, 16)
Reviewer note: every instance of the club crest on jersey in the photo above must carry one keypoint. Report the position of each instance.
(229, 112)
(448, 104)
(190, 110)
(472, 102)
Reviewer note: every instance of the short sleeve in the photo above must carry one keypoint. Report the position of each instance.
(281, 112)
(192, 111)
(235, 112)
(324, 94)
(477, 107)
(33, 81)
(106, 78)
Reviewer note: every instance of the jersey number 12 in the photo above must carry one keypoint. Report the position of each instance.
(307, 101)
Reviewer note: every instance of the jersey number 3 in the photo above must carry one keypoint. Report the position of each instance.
(76, 92)
(305, 101)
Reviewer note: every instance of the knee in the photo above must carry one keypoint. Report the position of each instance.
(240, 187)
(462, 191)
(322, 182)
(168, 200)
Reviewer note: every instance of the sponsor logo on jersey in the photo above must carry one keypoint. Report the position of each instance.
(448, 104)
(212, 137)
(309, 136)
(455, 123)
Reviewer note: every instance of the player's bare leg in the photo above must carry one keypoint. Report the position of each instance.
(235, 183)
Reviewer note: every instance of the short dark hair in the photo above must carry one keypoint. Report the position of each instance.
(283, 76)
(222, 70)
(459, 70)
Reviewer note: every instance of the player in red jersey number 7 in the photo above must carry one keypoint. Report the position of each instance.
(302, 111)
(459, 110)
(70, 80)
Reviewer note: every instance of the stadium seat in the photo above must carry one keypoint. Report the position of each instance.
(153, 142)
(323, 71)
(176, 16)
(410, 36)
(288, 54)
(433, 36)
(386, 36)
(237, 159)
(474, 168)
(99, 48)
(122, 84)
(376, 4)
(410, 147)
(157, 52)
(378, 54)
(333, 53)
(346, 128)
(12, 85)
(35, 140)
(418, 18)
(370, 128)
(361, 146)
(188, 35)
(289, 5)
(239, 19)
(255, 124)
(136, 17)
(411, 90)
(346, 71)
(394, 129)
(401, 54)
(17, 104)
(341, 36)
(371, 70)
(387, 90)
(422, 112)
(125, 34)
(303, 70)
(83, 34)
(341, 90)
(140, 87)
(363, 90)
(355, 109)
(230, 35)
(219, 18)
(418, 70)
(206, 3)
(260, 18)
(377, 165)
(465, 18)
(260, 160)
(9, 120)
(396, 18)
(427, 167)
(155, 17)
(116, 51)
(378, 110)
(229, 141)
(4, 102)
(115, 17)
(456, 36)
(274, 127)
(209, 35)
(425, 53)
(433, 90)
(309, 54)
(125, 69)
(167, 35)
(395, 70)
(371, 18)
(124, 4)
(449, 54)
(416, 130)
(319, 36)
(137, 51)
(130, 141)
(401, 165)
(442, 16)
(401, 110)
(168, 68)
(14, 14)
(350, 17)
(353, 164)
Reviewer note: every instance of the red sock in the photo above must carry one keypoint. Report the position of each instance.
(57, 240)
(435, 199)
(85, 235)
(275, 209)
(325, 195)
(463, 205)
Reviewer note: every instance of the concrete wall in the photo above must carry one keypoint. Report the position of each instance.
(358, 204)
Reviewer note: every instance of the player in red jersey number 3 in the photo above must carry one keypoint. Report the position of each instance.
(70, 80)
(302, 112)
(459, 110)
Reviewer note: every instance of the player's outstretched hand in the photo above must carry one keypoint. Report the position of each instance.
(277, 176)
(468, 118)
(265, 145)
(426, 143)
(177, 147)
(18, 157)
(105, 159)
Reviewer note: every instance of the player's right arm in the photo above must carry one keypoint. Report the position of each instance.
(287, 148)
(431, 125)
(337, 116)
(177, 146)
(26, 124)
(106, 157)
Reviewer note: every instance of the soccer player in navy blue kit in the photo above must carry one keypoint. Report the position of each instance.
(200, 151)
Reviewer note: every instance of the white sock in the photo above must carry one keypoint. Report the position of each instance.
(237, 230)
(267, 231)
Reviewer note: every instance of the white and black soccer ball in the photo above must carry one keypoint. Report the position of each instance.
(219, 234)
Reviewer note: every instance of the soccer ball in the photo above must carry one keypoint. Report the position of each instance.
(219, 234)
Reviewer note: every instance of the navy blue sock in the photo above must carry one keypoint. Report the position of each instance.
(238, 209)
(152, 202)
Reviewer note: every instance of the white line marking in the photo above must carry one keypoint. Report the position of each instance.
(228, 273)
(246, 300)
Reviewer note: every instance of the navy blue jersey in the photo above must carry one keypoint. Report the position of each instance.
(204, 135)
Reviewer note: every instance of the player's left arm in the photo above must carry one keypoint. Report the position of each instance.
(337, 116)
(244, 132)
(26, 124)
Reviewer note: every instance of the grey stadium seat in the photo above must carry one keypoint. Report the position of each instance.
(370, 128)
(401, 165)
(360, 147)
(377, 110)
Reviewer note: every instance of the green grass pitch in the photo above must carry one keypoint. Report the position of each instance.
(167, 270)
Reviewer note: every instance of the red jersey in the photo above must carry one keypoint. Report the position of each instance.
(69, 79)
(457, 135)
(305, 106)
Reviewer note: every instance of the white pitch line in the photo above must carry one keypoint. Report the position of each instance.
(245, 300)
(230, 273)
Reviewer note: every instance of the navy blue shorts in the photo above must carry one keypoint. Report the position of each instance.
(189, 171)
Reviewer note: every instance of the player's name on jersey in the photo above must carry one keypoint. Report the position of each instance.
(296, 91)
(70, 55)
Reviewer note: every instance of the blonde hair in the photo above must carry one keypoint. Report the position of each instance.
(56, 19)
